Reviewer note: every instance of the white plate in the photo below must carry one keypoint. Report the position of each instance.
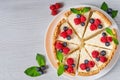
(48, 45)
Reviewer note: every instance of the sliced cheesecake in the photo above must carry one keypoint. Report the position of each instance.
(103, 39)
(78, 21)
(98, 21)
(86, 66)
(64, 32)
(101, 56)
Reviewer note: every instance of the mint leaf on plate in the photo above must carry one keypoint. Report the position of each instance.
(60, 70)
(59, 56)
(104, 6)
(32, 71)
(114, 13)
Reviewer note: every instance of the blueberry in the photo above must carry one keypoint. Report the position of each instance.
(91, 20)
(110, 14)
(86, 61)
(73, 65)
(82, 24)
(107, 44)
(65, 28)
(64, 44)
(87, 69)
(68, 37)
(61, 50)
(109, 10)
(103, 53)
(43, 67)
(78, 15)
(100, 26)
(97, 59)
(40, 70)
(65, 66)
(104, 34)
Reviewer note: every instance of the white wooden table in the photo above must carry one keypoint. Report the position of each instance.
(23, 24)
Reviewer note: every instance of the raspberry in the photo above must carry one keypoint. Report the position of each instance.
(83, 18)
(97, 22)
(91, 63)
(70, 61)
(103, 39)
(70, 70)
(93, 27)
(52, 7)
(58, 45)
(103, 59)
(109, 39)
(95, 54)
(69, 31)
(57, 5)
(63, 34)
(66, 50)
(83, 66)
(54, 12)
(77, 21)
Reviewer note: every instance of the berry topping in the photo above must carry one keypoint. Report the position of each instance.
(52, 7)
(103, 59)
(58, 45)
(95, 54)
(63, 34)
(104, 34)
(64, 44)
(54, 12)
(107, 44)
(68, 37)
(109, 39)
(65, 66)
(93, 27)
(66, 50)
(86, 61)
(91, 20)
(65, 28)
(57, 5)
(83, 66)
(97, 22)
(73, 65)
(69, 31)
(70, 70)
(100, 26)
(97, 59)
(77, 21)
(103, 53)
(82, 18)
(103, 39)
(82, 24)
(91, 63)
(61, 50)
(70, 61)
(78, 15)
(87, 69)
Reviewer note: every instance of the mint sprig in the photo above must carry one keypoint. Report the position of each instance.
(81, 11)
(33, 70)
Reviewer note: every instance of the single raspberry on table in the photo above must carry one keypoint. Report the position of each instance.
(54, 12)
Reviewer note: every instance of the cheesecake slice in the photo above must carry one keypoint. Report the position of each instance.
(98, 21)
(86, 66)
(103, 39)
(78, 21)
(101, 56)
(64, 32)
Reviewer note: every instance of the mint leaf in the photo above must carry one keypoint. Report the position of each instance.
(115, 41)
(114, 13)
(40, 59)
(59, 56)
(109, 31)
(104, 6)
(86, 9)
(75, 11)
(60, 69)
(32, 71)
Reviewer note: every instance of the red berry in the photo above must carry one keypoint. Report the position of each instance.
(93, 27)
(63, 34)
(70, 61)
(97, 22)
(57, 5)
(103, 59)
(77, 21)
(103, 39)
(83, 66)
(66, 50)
(69, 31)
(109, 39)
(91, 63)
(58, 45)
(52, 7)
(70, 70)
(95, 54)
(83, 18)
(54, 12)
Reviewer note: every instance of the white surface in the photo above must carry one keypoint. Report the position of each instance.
(22, 28)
